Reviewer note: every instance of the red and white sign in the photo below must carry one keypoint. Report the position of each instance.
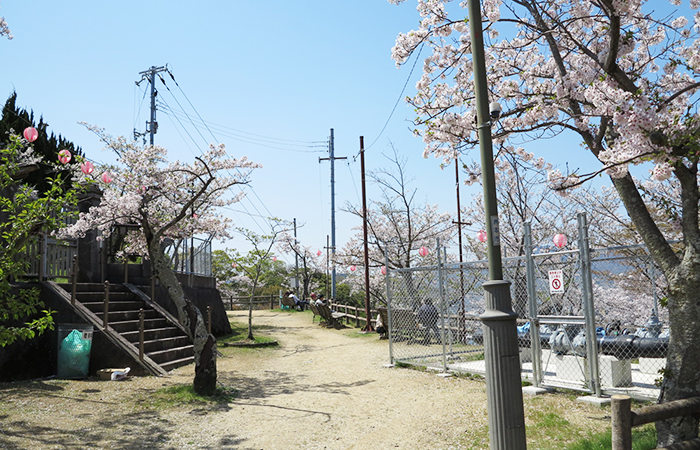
(556, 282)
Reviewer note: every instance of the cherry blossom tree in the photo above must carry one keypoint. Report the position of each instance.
(398, 226)
(623, 78)
(5, 29)
(259, 259)
(167, 201)
(311, 264)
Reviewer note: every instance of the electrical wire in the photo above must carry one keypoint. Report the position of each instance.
(420, 49)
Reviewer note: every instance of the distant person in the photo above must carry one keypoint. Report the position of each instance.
(299, 304)
(379, 327)
(321, 301)
(428, 316)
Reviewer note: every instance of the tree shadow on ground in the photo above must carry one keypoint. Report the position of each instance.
(79, 425)
(275, 383)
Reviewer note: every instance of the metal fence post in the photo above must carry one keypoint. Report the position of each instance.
(535, 348)
(588, 307)
(388, 308)
(441, 290)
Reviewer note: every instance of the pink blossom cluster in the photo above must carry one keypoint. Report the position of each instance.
(175, 198)
(575, 77)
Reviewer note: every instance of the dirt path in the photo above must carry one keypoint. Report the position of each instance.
(320, 389)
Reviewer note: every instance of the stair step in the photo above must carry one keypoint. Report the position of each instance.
(163, 356)
(170, 365)
(133, 325)
(132, 305)
(164, 343)
(154, 334)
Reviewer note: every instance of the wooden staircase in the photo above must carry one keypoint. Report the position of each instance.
(166, 344)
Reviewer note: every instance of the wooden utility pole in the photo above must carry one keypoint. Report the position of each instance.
(368, 311)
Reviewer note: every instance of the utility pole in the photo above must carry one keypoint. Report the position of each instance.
(504, 395)
(152, 125)
(368, 311)
(332, 158)
(459, 223)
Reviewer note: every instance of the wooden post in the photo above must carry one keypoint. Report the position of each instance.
(106, 309)
(208, 319)
(141, 333)
(272, 301)
(75, 280)
(42, 259)
(126, 270)
(153, 286)
(621, 422)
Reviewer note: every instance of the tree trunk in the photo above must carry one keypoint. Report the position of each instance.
(681, 378)
(191, 318)
(682, 374)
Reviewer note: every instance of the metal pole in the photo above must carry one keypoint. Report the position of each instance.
(503, 386)
(588, 307)
(441, 285)
(532, 302)
(388, 305)
(368, 312)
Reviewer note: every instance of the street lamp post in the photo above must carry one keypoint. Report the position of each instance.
(503, 387)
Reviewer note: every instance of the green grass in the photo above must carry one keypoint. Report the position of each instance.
(239, 332)
(643, 438)
(184, 396)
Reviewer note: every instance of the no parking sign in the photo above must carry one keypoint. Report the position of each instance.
(556, 282)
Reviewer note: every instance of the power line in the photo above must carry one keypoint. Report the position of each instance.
(398, 99)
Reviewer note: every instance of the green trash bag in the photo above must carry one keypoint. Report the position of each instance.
(74, 355)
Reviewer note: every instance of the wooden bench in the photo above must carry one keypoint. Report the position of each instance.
(332, 319)
(288, 303)
(315, 311)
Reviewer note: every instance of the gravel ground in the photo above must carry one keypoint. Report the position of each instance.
(319, 389)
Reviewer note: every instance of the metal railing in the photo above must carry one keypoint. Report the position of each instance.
(191, 256)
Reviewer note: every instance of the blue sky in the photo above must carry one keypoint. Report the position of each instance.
(277, 74)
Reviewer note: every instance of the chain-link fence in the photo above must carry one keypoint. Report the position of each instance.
(561, 298)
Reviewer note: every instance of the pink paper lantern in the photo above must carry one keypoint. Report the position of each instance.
(481, 236)
(560, 240)
(31, 134)
(87, 167)
(274, 258)
(107, 177)
(64, 156)
(423, 251)
(353, 268)
(383, 270)
(318, 253)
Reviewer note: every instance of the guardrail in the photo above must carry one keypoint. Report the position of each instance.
(243, 302)
(623, 419)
